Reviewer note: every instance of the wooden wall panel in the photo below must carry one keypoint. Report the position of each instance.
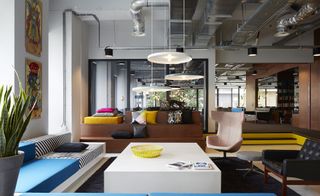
(304, 97)
(315, 95)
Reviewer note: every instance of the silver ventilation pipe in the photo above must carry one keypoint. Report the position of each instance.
(138, 17)
(305, 11)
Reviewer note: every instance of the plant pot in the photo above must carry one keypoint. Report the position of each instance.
(9, 171)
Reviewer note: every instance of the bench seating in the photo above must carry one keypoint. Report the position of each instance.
(151, 194)
(44, 170)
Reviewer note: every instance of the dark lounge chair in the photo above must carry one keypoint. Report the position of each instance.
(303, 164)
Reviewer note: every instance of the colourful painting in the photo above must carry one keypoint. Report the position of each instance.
(33, 34)
(33, 86)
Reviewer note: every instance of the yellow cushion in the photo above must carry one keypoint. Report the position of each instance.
(151, 117)
(103, 120)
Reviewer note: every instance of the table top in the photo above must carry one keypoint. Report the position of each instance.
(172, 152)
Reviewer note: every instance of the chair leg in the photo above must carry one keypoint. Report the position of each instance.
(265, 175)
(284, 185)
(224, 154)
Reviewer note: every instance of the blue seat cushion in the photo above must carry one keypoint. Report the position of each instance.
(81, 194)
(29, 149)
(43, 175)
(209, 194)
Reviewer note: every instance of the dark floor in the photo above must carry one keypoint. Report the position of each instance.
(232, 180)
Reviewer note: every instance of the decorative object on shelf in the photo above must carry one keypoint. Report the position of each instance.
(316, 51)
(33, 27)
(34, 86)
(14, 111)
(169, 57)
(147, 150)
(253, 51)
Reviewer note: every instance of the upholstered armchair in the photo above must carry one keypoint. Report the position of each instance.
(303, 164)
(229, 135)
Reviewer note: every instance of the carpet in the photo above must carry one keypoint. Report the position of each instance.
(232, 180)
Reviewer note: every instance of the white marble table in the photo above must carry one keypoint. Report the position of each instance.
(131, 174)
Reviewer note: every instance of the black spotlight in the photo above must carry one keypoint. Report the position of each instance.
(108, 52)
(225, 83)
(254, 72)
(180, 49)
(316, 51)
(253, 51)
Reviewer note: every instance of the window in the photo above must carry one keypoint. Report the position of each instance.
(225, 97)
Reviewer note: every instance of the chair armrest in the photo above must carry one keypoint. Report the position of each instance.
(279, 155)
(303, 169)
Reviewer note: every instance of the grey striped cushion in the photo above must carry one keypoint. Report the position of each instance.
(92, 152)
(48, 143)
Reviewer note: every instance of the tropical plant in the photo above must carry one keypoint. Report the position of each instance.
(15, 116)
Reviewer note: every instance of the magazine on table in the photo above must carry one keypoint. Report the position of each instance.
(180, 165)
(202, 166)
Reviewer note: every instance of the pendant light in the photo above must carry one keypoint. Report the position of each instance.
(108, 51)
(153, 87)
(170, 57)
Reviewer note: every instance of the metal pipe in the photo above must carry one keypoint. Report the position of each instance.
(138, 17)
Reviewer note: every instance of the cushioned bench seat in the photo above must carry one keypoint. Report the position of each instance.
(103, 120)
(29, 149)
(80, 194)
(209, 194)
(44, 175)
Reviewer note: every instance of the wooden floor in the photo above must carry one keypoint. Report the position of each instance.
(304, 190)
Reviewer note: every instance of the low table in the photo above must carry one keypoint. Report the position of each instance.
(131, 174)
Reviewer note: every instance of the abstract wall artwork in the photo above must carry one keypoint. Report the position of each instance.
(33, 27)
(34, 86)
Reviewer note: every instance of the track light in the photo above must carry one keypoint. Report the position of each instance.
(316, 51)
(180, 49)
(253, 51)
(108, 52)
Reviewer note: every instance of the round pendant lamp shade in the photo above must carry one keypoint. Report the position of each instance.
(252, 51)
(169, 58)
(108, 52)
(316, 51)
(183, 77)
(153, 88)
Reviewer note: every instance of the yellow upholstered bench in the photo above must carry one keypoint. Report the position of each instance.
(103, 120)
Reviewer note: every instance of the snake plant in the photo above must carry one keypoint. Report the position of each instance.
(15, 116)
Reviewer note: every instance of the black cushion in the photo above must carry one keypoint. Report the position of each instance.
(121, 135)
(139, 130)
(310, 150)
(71, 147)
(187, 117)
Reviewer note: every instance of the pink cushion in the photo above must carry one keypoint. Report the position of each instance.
(105, 110)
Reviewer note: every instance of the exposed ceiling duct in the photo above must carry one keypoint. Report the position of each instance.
(215, 13)
(264, 14)
(304, 12)
(138, 17)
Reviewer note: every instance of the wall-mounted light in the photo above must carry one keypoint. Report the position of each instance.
(253, 51)
(108, 52)
(254, 73)
(316, 51)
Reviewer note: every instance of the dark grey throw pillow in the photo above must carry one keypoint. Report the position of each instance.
(121, 135)
(139, 131)
(71, 147)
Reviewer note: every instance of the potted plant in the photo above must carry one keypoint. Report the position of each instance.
(15, 116)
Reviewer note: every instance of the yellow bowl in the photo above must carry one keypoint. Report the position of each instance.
(147, 150)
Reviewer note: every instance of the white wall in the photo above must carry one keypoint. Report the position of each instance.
(36, 127)
(76, 68)
(101, 85)
(55, 75)
(7, 42)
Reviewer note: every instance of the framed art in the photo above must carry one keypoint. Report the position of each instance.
(34, 86)
(33, 26)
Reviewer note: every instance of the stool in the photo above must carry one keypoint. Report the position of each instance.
(250, 156)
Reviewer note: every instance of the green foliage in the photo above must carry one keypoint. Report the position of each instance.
(14, 119)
